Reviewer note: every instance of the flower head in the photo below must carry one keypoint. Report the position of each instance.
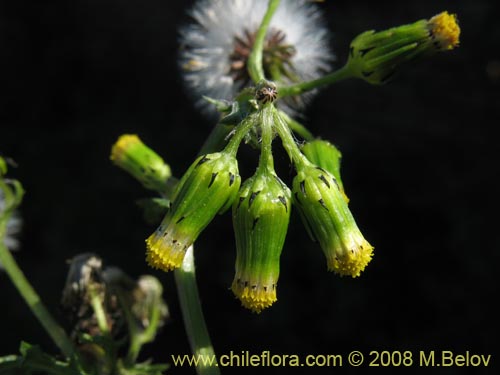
(132, 155)
(328, 219)
(216, 46)
(260, 217)
(445, 30)
(376, 56)
(209, 186)
(325, 155)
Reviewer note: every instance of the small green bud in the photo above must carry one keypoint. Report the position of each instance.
(261, 214)
(376, 56)
(325, 213)
(327, 156)
(130, 154)
(209, 186)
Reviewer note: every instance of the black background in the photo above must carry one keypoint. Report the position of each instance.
(420, 166)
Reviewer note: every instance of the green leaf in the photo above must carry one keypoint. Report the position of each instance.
(33, 361)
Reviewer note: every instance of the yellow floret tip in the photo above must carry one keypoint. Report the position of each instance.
(256, 298)
(353, 263)
(123, 144)
(162, 257)
(445, 29)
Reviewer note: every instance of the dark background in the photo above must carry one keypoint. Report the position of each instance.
(420, 166)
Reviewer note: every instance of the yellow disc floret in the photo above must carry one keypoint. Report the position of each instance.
(445, 30)
(353, 262)
(122, 145)
(254, 296)
(165, 252)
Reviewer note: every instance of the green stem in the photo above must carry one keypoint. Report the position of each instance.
(100, 314)
(266, 154)
(287, 139)
(192, 313)
(297, 127)
(34, 302)
(137, 337)
(300, 88)
(134, 348)
(238, 134)
(255, 67)
(149, 333)
(135, 343)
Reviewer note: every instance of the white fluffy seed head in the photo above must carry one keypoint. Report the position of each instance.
(208, 43)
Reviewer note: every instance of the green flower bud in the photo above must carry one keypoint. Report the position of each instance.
(327, 156)
(209, 186)
(328, 219)
(130, 154)
(376, 56)
(260, 218)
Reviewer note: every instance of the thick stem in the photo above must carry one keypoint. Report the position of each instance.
(34, 302)
(287, 139)
(137, 337)
(100, 314)
(192, 313)
(135, 343)
(266, 124)
(255, 67)
(238, 134)
(329, 79)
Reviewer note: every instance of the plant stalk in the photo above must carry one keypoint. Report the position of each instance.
(55, 331)
(255, 66)
(302, 87)
(199, 340)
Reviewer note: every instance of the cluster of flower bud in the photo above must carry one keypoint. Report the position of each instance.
(261, 208)
(261, 205)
